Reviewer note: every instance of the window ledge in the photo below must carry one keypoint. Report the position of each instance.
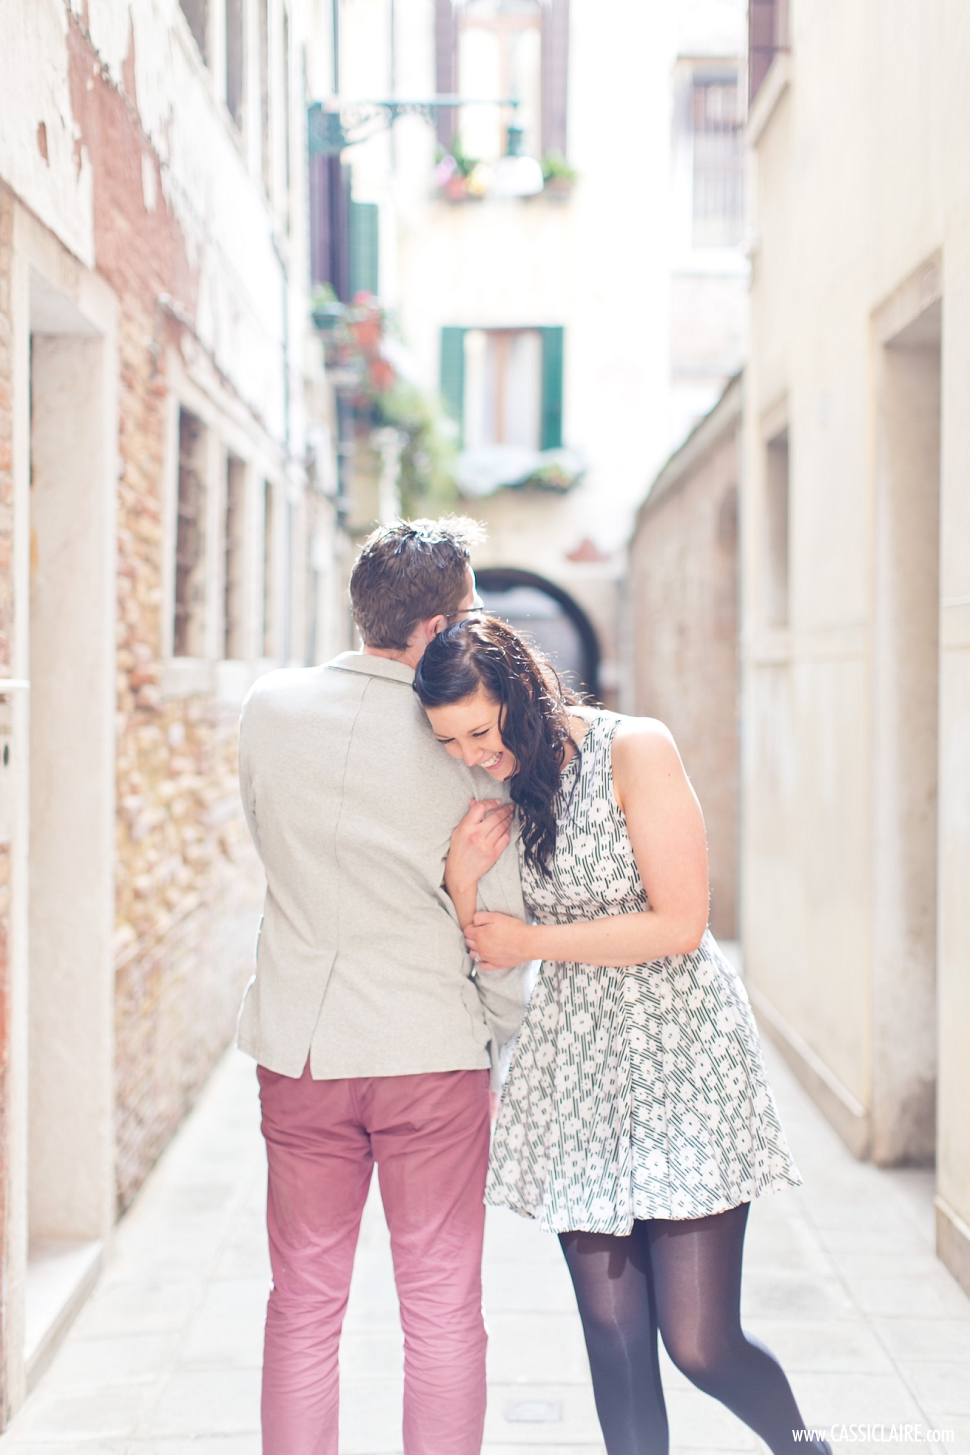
(187, 677)
(711, 263)
(227, 681)
(773, 87)
(558, 195)
(233, 681)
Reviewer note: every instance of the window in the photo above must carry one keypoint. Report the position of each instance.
(776, 532)
(189, 634)
(503, 48)
(767, 34)
(235, 60)
(718, 161)
(500, 54)
(270, 594)
(196, 13)
(234, 644)
(504, 386)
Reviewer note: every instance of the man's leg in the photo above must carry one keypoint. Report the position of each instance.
(430, 1139)
(320, 1166)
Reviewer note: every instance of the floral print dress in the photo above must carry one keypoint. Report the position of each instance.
(637, 1092)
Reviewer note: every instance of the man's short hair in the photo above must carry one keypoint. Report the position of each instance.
(410, 572)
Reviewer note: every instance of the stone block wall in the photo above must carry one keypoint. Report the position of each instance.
(683, 595)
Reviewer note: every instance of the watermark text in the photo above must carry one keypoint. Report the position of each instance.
(868, 1434)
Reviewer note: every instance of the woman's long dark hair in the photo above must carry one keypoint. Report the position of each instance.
(533, 720)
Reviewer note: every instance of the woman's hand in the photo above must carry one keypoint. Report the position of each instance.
(499, 941)
(476, 845)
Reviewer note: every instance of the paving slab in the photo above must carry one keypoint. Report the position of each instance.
(841, 1281)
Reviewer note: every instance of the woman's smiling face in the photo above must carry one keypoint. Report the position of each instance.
(470, 730)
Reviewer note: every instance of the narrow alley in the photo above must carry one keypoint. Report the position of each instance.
(841, 1282)
(657, 317)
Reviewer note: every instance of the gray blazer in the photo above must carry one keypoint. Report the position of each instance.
(351, 803)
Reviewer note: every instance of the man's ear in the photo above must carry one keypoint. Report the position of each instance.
(426, 631)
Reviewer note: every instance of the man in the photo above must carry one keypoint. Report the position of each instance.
(372, 1035)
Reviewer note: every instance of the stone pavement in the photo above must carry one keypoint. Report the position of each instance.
(164, 1359)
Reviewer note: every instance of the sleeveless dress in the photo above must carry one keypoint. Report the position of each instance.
(637, 1092)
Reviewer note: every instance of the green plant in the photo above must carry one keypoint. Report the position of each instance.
(555, 168)
(327, 310)
(464, 164)
(427, 458)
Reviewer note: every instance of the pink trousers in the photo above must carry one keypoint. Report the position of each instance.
(428, 1135)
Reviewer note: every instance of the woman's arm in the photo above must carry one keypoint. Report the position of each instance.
(476, 844)
(666, 830)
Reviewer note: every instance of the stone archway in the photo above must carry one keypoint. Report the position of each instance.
(544, 611)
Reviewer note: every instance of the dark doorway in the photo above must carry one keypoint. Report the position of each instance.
(549, 615)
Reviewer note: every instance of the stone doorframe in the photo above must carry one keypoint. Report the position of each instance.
(61, 1197)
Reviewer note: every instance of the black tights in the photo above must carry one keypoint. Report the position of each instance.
(683, 1278)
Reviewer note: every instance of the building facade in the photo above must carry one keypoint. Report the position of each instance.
(563, 253)
(165, 535)
(856, 576)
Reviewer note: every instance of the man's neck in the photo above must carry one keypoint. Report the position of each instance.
(409, 657)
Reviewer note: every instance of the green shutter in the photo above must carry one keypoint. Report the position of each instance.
(453, 373)
(552, 356)
(363, 248)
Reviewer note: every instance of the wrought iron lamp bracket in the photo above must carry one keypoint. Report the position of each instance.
(332, 128)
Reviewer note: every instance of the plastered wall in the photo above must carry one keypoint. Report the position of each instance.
(861, 229)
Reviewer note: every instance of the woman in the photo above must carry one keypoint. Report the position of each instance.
(636, 1121)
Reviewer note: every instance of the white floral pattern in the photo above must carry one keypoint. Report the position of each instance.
(637, 1092)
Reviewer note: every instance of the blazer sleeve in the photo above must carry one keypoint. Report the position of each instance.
(504, 993)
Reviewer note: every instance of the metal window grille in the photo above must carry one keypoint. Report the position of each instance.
(718, 180)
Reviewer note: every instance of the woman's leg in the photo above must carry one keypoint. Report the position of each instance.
(612, 1280)
(696, 1268)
